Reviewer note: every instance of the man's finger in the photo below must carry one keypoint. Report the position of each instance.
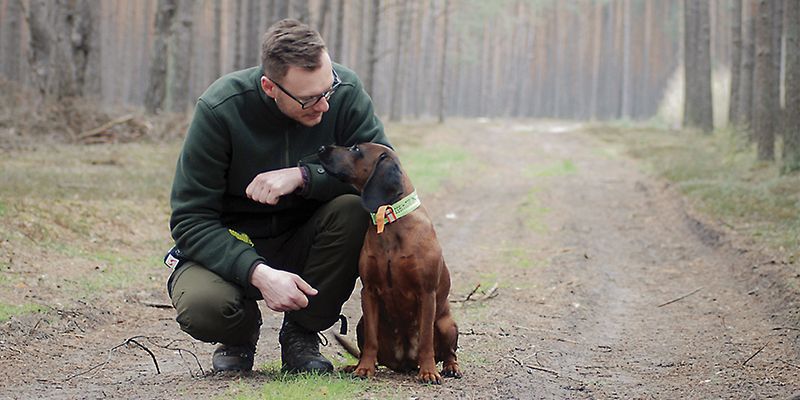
(305, 287)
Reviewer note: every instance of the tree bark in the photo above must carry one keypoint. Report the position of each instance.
(300, 11)
(216, 45)
(252, 40)
(698, 111)
(157, 86)
(766, 105)
(372, 47)
(179, 59)
(395, 98)
(12, 41)
(745, 113)
(736, 60)
(626, 60)
(791, 131)
(443, 63)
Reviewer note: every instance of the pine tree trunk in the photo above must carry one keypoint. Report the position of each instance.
(765, 104)
(12, 39)
(736, 60)
(300, 11)
(372, 47)
(791, 131)
(216, 45)
(745, 113)
(252, 40)
(698, 111)
(443, 63)
(338, 23)
(157, 86)
(395, 98)
(179, 59)
(626, 60)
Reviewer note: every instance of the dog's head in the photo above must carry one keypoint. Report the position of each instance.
(372, 168)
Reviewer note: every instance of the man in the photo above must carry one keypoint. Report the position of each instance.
(254, 215)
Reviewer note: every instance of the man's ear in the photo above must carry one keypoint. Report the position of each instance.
(268, 86)
(384, 185)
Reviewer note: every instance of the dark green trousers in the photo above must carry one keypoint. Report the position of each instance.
(323, 251)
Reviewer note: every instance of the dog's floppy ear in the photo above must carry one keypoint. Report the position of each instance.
(384, 185)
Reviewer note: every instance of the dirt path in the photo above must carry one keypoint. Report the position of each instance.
(586, 251)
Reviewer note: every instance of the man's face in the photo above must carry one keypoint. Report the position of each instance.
(303, 85)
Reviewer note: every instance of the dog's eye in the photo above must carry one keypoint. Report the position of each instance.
(355, 148)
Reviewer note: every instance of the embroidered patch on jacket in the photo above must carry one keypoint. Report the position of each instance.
(241, 236)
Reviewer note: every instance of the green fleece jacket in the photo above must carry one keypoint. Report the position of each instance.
(238, 132)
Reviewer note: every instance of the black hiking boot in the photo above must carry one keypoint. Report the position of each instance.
(235, 358)
(300, 350)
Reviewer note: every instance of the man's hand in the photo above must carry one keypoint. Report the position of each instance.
(282, 291)
(268, 187)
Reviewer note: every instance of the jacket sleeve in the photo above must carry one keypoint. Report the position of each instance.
(196, 200)
(356, 123)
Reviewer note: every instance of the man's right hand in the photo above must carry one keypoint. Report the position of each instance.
(282, 291)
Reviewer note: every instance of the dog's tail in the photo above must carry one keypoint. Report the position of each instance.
(348, 346)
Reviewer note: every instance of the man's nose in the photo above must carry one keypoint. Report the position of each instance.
(322, 105)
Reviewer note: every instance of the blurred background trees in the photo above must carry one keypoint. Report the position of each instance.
(578, 59)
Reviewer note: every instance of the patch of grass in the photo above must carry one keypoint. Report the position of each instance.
(722, 177)
(532, 212)
(9, 310)
(565, 167)
(299, 386)
(429, 167)
(2, 209)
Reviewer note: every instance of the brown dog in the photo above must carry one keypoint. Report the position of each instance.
(406, 322)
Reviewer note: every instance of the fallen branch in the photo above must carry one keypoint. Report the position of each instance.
(133, 340)
(155, 304)
(469, 296)
(153, 356)
(790, 364)
(682, 297)
(102, 128)
(755, 354)
(489, 294)
(534, 367)
(780, 328)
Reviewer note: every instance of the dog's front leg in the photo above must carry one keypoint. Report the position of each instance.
(425, 358)
(369, 354)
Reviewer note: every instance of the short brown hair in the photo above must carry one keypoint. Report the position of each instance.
(290, 43)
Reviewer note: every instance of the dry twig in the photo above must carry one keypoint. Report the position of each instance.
(534, 367)
(102, 128)
(682, 297)
(755, 354)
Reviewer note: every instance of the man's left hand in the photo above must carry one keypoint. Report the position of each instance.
(268, 187)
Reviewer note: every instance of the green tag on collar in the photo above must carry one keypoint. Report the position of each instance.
(400, 209)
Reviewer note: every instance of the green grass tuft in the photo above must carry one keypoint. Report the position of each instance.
(428, 168)
(565, 167)
(299, 386)
(9, 310)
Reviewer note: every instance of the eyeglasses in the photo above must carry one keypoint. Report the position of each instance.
(311, 101)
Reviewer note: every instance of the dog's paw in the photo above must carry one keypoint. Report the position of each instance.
(364, 372)
(452, 371)
(429, 377)
(348, 369)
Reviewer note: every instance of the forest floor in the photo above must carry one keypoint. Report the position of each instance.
(609, 284)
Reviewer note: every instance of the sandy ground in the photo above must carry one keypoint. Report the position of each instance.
(608, 286)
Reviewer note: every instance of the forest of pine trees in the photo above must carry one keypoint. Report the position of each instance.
(578, 59)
